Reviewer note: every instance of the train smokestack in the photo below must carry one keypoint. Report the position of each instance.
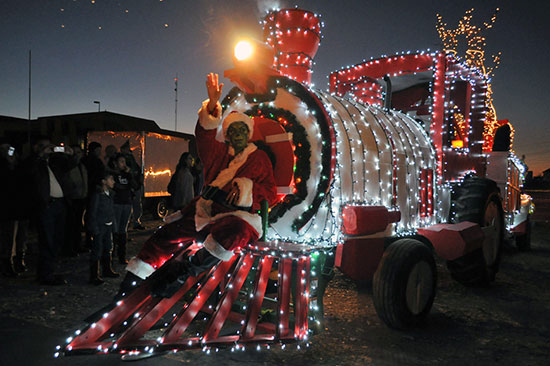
(295, 35)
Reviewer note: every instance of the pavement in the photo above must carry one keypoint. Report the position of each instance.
(506, 324)
(27, 344)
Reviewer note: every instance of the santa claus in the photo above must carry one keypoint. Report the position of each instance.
(238, 176)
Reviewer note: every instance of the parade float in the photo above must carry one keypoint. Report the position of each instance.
(388, 169)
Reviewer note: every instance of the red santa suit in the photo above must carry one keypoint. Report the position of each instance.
(221, 229)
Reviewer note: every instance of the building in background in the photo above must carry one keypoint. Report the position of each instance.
(156, 150)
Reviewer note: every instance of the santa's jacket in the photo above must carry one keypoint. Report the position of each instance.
(251, 170)
(225, 228)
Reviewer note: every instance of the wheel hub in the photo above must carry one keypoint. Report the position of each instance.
(491, 230)
(419, 287)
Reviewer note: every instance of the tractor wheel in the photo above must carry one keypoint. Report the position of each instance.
(404, 284)
(477, 200)
(523, 242)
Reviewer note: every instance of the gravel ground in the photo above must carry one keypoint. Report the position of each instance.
(506, 324)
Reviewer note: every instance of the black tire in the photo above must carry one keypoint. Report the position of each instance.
(523, 242)
(161, 208)
(478, 200)
(404, 284)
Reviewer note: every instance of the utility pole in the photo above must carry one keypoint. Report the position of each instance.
(29, 117)
(176, 110)
(30, 84)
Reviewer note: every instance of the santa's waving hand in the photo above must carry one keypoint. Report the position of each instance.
(214, 90)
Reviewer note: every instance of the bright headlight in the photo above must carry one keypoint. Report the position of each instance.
(243, 50)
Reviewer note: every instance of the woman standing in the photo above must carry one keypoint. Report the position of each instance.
(181, 183)
(125, 184)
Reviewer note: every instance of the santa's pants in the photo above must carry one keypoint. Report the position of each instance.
(225, 234)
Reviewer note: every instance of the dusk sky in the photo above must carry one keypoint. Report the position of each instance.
(126, 53)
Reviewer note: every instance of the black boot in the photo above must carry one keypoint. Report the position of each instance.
(121, 250)
(95, 279)
(170, 277)
(19, 263)
(107, 267)
(201, 261)
(177, 272)
(7, 268)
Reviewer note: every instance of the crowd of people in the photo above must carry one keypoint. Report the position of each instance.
(54, 192)
(60, 192)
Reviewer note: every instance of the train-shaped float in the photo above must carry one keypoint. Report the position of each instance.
(389, 168)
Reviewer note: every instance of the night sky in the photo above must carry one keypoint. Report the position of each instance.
(126, 54)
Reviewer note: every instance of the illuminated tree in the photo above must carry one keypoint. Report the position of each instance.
(474, 56)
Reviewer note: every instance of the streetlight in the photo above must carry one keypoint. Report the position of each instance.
(98, 105)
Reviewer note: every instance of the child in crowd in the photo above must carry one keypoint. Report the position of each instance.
(101, 223)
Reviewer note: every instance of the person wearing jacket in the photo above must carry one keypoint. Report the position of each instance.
(48, 172)
(96, 170)
(76, 204)
(135, 169)
(8, 221)
(101, 222)
(125, 185)
(238, 176)
(94, 165)
(181, 184)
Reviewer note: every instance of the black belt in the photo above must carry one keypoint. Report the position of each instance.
(217, 195)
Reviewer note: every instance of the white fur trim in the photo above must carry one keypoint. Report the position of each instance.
(216, 249)
(245, 191)
(235, 116)
(140, 268)
(208, 121)
(253, 220)
(226, 175)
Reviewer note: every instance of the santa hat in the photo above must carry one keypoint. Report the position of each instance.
(238, 117)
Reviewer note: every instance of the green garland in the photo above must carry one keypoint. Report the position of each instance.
(299, 139)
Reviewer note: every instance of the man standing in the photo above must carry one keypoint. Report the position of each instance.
(96, 171)
(76, 204)
(50, 171)
(8, 221)
(135, 170)
(94, 165)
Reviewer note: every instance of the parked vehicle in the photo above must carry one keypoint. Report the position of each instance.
(157, 154)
